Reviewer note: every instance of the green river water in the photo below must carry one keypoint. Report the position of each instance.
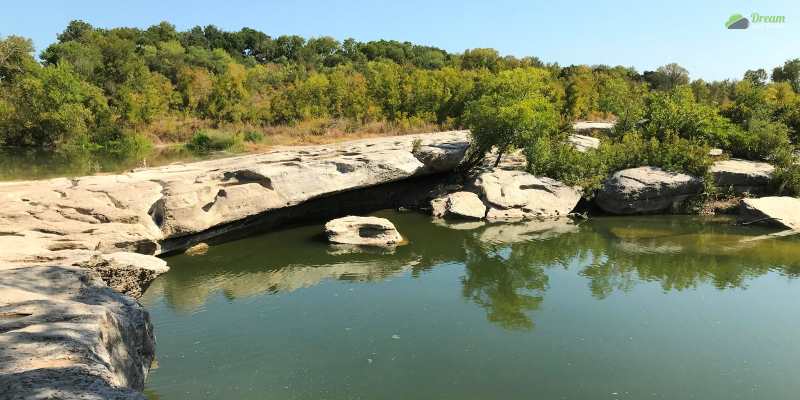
(657, 307)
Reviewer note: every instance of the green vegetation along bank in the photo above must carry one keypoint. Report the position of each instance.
(120, 90)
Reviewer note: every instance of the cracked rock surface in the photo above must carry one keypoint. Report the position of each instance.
(74, 253)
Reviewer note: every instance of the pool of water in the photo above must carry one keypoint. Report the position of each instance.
(661, 307)
(28, 164)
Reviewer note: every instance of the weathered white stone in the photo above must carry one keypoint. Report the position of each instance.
(367, 231)
(66, 335)
(464, 205)
(590, 125)
(138, 210)
(90, 225)
(742, 176)
(779, 211)
(532, 196)
(646, 190)
(584, 143)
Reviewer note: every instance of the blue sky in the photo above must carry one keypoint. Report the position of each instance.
(642, 34)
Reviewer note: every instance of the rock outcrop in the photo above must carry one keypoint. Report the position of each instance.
(742, 176)
(518, 195)
(778, 211)
(459, 205)
(646, 190)
(140, 210)
(66, 334)
(584, 143)
(362, 231)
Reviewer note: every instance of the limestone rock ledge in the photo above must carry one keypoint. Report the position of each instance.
(64, 334)
(72, 251)
(137, 211)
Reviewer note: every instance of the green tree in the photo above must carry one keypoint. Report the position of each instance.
(514, 108)
(789, 72)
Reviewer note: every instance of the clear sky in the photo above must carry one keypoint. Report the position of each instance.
(643, 34)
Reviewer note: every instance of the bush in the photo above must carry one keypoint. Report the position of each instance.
(253, 136)
(214, 140)
(559, 160)
(762, 140)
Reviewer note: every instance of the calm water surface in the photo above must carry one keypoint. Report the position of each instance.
(26, 164)
(616, 308)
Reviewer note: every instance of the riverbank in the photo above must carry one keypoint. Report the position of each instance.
(77, 252)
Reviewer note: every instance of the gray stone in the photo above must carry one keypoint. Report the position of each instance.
(584, 143)
(64, 241)
(646, 190)
(464, 205)
(66, 335)
(364, 231)
(515, 195)
(742, 176)
(778, 211)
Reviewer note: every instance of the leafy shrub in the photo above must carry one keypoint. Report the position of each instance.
(214, 140)
(761, 141)
(253, 136)
(559, 160)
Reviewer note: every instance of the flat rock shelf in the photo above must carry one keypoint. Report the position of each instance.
(64, 241)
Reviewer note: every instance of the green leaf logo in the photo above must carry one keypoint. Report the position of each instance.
(737, 21)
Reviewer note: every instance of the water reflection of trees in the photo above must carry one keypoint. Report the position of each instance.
(505, 266)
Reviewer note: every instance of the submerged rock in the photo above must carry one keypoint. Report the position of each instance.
(778, 211)
(367, 231)
(197, 250)
(742, 176)
(518, 195)
(646, 190)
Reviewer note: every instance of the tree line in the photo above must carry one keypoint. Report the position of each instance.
(109, 88)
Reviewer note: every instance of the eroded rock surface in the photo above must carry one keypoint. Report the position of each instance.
(517, 195)
(584, 143)
(138, 210)
(646, 190)
(459, 205)
(362, 231)
(742, 176)
(779, 211)
(65, 333)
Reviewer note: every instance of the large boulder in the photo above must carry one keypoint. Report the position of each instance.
(742, 176)
(518, 195)
(65, 335)
(366, 231)
(464, 205)
(646, 190)
(780, 211)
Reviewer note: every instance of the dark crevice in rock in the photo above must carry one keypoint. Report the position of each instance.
(248, 176)
(221, 193)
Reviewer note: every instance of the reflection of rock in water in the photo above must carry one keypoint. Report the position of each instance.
(190, 296)
(648, 248)
(460, 226)
(526, 231)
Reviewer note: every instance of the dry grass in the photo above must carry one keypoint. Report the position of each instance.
(176, 130)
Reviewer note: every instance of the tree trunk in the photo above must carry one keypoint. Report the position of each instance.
(499, 156)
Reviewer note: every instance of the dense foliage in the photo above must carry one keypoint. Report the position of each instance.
(122, 87)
